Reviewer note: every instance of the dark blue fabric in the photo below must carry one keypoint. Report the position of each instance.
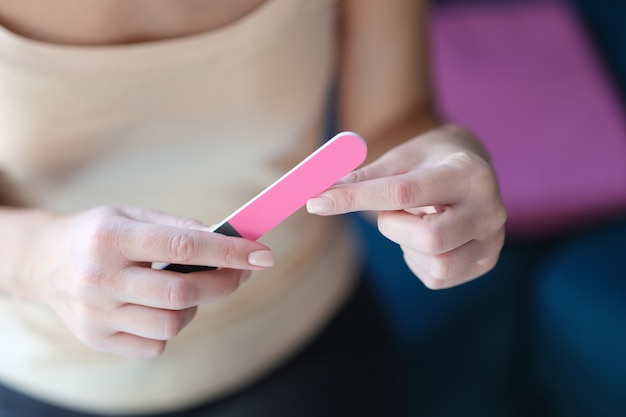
(605, 21)
(543, 334)
(578, 308)
(462, 348)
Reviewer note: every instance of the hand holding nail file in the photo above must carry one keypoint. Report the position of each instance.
(323, 168)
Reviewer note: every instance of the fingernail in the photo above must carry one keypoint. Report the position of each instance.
(262, 258)
(349, 178)
(244, 277)
(320, 205)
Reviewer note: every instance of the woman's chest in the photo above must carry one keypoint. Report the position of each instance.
(112, 22)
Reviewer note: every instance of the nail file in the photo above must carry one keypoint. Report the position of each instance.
(323, 168)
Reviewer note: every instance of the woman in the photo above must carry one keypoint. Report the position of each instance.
(189, 108)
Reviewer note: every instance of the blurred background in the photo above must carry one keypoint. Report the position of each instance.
(543, 83)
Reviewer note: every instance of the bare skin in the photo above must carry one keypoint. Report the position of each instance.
(105, 22)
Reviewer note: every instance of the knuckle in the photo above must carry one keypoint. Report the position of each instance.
(385, 225)
(87, 278)
(400, 193)
(157, 349)
(179, 295)
(189, 223)
(345, 198)
(489, 264)
(432, 241)
(102, 233)
(172, 323)
(348, 199)
(357, 175)
(153, 350)
(491, 225)
(433, 284)
(439, 268)
(87, 326)
(181, 247)
(482, 177)
(230, 253)
(89, 337)
(500, 216)
(427, 279)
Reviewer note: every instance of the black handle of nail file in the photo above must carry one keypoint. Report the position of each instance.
(224, 229)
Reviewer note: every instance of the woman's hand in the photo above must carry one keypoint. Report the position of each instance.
(437, 197)
(94, 270)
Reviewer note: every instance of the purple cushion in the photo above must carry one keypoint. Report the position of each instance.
(526, 79)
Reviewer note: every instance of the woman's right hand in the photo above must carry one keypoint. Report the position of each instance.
(94, 270)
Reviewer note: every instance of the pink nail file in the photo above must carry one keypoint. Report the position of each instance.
(323, 168)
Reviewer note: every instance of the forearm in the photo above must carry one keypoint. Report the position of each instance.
(422, 124)
(385, 91)
(395, 131)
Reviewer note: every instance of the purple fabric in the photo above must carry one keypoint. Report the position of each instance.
(524, 77)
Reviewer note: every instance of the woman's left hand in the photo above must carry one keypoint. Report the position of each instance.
(437, 197)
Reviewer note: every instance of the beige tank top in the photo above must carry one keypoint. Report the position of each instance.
(193, 126)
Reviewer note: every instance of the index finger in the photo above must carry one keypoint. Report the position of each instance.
(440, 185)
(143, 242)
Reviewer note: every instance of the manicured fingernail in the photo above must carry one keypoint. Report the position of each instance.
(349, 178)
(244, 277)
(320, 205)
(262, 258)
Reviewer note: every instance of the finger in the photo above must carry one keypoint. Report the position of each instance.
(106, 339)
(377, 169)
(150, 323)
(440, 185)
(173, 291)
(456, 267)
(131, 346)
(166, 219)
(432, 233)
(396, 161)
(143, 242)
